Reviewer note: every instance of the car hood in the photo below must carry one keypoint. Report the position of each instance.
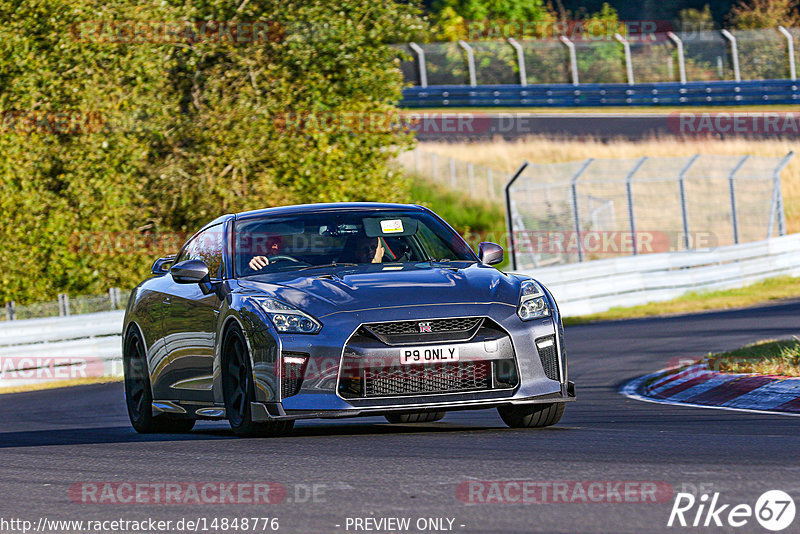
(374, 286)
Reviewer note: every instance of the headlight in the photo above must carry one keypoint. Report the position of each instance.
(532, 302)
(288, 319)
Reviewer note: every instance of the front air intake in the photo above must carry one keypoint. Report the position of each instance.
(549, 356)
(293, 370)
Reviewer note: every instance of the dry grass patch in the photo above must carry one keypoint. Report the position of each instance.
(507, 156)
(53, 384)
(780, 358)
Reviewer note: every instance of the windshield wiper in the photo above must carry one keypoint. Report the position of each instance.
(334, 264)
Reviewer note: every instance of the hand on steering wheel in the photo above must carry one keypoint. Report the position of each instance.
(259, 262)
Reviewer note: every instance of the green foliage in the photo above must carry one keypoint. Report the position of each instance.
(692, 20)
(758, 14)
(453, 18)
(182, 130)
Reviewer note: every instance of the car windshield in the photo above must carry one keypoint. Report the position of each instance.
(304, 241)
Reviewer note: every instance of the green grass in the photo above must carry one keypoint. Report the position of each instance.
(770, 357)
(475, 220)
(772, 289)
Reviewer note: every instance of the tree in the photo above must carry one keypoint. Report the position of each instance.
(170, 128)
(758, 14)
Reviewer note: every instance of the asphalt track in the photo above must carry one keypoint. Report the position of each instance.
(52, 439)
(459, 126)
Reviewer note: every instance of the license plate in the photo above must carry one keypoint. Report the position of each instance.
(433, 354)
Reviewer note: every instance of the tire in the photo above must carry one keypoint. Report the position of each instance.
(532, 415)
(415, 417)
(238, 390)
(139, 395)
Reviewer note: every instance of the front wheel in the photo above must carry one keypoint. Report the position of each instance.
(532, 415)
(238, 391)
(139, 396)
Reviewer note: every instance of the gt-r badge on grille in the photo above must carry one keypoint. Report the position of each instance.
(425, 328)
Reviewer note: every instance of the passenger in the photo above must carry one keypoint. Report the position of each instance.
(364, 250)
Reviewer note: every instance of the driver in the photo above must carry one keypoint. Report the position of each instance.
(273, 248)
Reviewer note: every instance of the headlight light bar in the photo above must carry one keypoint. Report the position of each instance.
(287, 318)
(532, 302)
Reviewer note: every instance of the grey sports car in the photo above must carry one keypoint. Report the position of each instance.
(338, 310)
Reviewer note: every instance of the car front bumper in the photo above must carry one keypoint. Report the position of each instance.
(319, 395)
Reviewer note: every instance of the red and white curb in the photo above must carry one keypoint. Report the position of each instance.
(697, 385)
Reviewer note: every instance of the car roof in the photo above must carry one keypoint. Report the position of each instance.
(323, 207)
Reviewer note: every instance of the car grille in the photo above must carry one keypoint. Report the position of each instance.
(435, 330)
(417, 379)
(549, 357)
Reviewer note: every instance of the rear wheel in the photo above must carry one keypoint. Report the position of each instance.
(139, 396)
(415, 417)
(239, 390)
(532, 415)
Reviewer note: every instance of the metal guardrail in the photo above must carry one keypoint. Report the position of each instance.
(60, 348)
(597, 286)
(605, 94)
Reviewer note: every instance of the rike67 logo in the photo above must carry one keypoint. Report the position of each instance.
(774, 510)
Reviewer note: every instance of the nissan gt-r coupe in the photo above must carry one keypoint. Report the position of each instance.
(338, 310)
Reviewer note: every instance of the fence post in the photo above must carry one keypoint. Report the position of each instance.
(790, 50)
(626, 46)
(734, 54)
(63, 305)
(732, 189)
(471, 175)
(573, 58)
(453, 173)
(473, 81)
(11, 311)
(575, 212)
(423, 69)
(509, 219)
(491, 182)
(523, 78)
(113, 296)
(681, 61)
(684, 213)
(629, 190)
(777, 197)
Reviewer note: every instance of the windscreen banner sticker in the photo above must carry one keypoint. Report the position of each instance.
(392, 226)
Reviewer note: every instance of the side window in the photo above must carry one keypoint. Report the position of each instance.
(433, 245)
(206, 246)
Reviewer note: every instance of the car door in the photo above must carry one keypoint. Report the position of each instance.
(190, 322)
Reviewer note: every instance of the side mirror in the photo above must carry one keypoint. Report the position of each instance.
(190, 272)
(161, 265)
(490, 253)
